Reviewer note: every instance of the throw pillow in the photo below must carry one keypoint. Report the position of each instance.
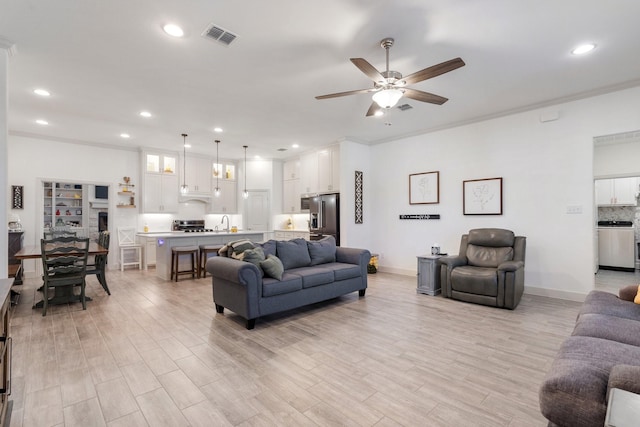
(254, 256)
(630, 293)
(272, 267)
(322, 251)
(293, 253)
(269, 247)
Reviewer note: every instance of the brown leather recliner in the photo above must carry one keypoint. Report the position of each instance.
(489, 269)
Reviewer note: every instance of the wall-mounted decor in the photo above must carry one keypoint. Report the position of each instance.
(17, 196)
(419, 216)
(424, 188)
(482, 196)
(359, 206)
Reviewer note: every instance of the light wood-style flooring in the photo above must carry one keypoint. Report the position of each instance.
(155, 353)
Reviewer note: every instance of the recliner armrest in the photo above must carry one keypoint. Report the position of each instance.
(453, 261)
(511, 266)
(624, 377)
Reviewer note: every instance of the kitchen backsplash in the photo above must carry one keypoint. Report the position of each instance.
(617, 213)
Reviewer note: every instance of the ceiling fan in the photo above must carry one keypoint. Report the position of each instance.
(389, 86)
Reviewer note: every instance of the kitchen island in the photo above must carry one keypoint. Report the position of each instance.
(157, 245)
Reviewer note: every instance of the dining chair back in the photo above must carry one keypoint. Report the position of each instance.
(64, 264)
(99, 265)
(127, 244)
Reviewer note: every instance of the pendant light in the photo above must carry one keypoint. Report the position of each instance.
(184, 188)
(245, 193)
(217, 170)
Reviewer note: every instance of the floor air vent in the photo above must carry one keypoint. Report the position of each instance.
(404, 107)
(219, 34)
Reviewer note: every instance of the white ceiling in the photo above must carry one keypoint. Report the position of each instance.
(105, 61)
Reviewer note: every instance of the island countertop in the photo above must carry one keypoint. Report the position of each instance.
(179, 234)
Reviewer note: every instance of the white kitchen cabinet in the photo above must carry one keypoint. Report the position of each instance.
(329, 169)
(199, 171)
(227, 202)
(616, 191)
(160, 193)
(291, 170)
(616, 247)
(163, 163)
(309, 173)
(290, 234)
(291, 196)
(149, 250)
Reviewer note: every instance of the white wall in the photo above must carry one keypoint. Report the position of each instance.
(545, 166)
(356, 157)
(619, 159)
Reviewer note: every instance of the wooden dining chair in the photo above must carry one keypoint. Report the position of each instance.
(64, 265)
(99, 264)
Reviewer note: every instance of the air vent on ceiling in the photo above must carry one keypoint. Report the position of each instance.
(404, 107)
(219, 34)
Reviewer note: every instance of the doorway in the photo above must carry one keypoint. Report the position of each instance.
(257, 210)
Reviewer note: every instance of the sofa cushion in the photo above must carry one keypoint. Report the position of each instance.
(483, 256)
(600, 302)
(612, 328)
(322, 251)
(272, 267)
(289, 283)
(574, 391)
(342, 271)
(313, 276)
(293, 253)
(475, 280)
(254, 256)
(269, 247)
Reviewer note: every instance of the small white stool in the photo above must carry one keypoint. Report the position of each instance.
(127, 242)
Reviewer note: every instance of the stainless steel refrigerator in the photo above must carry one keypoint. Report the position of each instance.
(324, 216)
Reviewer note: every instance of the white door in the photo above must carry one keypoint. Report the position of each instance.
(257, 210)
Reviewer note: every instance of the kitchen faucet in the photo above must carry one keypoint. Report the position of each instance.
(222, 222)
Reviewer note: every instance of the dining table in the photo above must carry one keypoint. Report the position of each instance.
(61, 295)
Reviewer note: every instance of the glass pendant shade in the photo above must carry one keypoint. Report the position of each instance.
(387, 98)
(245, 193)
(216, 191)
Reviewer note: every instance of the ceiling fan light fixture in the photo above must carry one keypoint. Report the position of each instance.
(387, 98)
(583, 48)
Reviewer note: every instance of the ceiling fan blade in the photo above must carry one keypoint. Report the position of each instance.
(419, 95)
(373, 109)
(434, 71)
(369, 70)
(350, 92)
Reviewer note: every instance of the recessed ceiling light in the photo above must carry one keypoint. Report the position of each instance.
(41, 92)
(42, 122)
(173, 30)
(187, 145)
(125, 135)
(217, 130)
(145, 114)
(583, 48)
(295, 146)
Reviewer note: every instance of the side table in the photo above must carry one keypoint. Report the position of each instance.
(428, 274)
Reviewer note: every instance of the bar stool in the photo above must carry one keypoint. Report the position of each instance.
(205, 250)
(176, 251)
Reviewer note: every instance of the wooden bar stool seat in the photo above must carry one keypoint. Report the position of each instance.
(192, 251)
(205, 250)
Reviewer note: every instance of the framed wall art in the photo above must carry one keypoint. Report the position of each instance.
(17, 196)
(482, 196)
(424, 188)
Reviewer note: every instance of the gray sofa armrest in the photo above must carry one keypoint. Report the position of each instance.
(624, 377)
(511, 266)
(353, 256)
(237, 285)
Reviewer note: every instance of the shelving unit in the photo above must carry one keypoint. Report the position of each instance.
(63, 204)
(126, 196)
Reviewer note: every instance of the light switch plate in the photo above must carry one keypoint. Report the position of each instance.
(574, 209)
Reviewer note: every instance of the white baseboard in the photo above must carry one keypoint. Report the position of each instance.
(529, 290)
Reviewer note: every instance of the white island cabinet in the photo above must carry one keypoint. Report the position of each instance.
(164, 241)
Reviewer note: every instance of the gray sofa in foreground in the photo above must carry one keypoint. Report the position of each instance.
(602, 353)
(311, 272)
